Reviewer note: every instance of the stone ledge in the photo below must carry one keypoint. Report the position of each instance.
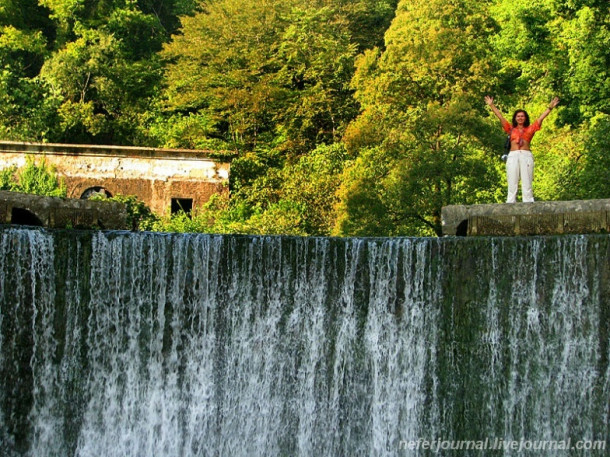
(111, 151)
(538, 218)
(56, 212)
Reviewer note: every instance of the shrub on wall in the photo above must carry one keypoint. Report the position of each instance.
(34, 178)
(139, 216)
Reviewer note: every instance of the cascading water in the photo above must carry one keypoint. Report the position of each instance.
(154, 345)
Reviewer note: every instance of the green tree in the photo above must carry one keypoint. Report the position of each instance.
(368, 20)
(264, 72)
(297, 199)
(26, 104)
(316, 59)
(103, 68)
(419, 139)
(588, 177)
(311, 185)
(105, 77)
(552, 47)
(218, 67)
(7, 178)
(583, 42)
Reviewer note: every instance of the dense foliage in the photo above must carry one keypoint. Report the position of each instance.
(346, 117)
(33, 178)
(139, 216)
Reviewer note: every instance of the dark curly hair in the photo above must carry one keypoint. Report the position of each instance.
(527, 118)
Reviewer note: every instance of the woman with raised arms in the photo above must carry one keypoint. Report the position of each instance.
(520, 162)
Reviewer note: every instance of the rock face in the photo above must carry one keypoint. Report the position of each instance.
(538, 218)
(26, 209)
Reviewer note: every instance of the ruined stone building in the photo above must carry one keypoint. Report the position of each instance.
(166, 180)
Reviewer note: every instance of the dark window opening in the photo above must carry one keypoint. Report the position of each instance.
(96, 190)
(21, 216)
(462, 228)
(182, 204)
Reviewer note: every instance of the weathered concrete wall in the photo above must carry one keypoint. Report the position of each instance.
(538, 218)
(154, 175)
(27, 209)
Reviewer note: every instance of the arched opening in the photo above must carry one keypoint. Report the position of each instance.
(21, 216)
(462, 228)
(94, 191)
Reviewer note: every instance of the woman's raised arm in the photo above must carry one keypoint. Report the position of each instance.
(546, 112)
(490, 101)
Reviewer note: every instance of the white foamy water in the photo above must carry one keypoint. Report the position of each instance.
(121, 344)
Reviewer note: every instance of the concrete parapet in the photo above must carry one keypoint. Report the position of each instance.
(56, 212)
(538, 218)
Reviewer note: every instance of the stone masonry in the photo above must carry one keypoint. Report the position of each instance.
(55, 212)
(537, 218)
(158, 177)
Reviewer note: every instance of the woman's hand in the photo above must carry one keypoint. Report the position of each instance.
(490, 101)
(554, 103)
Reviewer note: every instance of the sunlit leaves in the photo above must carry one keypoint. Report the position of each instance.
(265, 70)
(421, 119)
(34, 178)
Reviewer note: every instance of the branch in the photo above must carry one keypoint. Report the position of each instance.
(84, 91)
(403, 217)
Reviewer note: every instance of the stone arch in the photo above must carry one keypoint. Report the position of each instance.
(22, 216)
(462, 228)
(95, 190)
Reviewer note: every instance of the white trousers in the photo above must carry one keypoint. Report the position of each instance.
(520, 164)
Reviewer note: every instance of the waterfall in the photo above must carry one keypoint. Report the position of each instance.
(139, 344)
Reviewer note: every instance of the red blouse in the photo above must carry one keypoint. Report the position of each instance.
(516, 135)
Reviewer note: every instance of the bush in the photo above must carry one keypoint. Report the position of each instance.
(37, 179)
(139, 216)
